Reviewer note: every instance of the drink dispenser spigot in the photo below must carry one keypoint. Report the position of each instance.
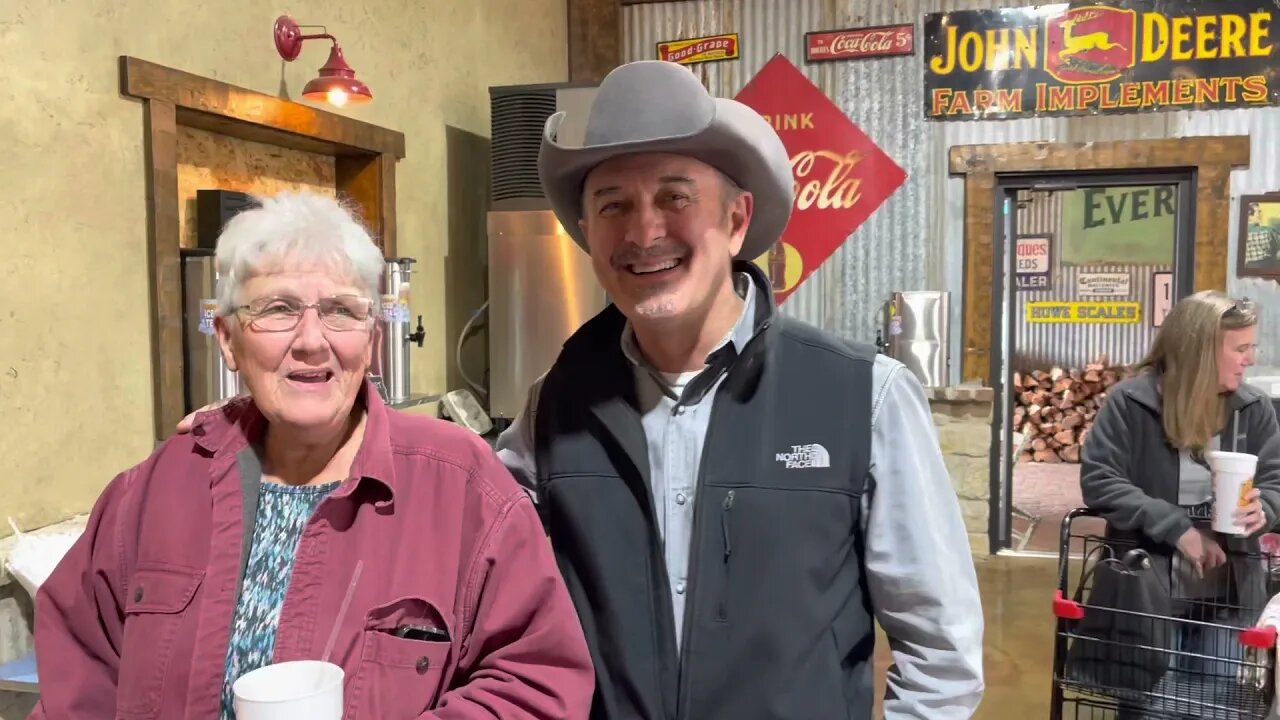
(394, 316)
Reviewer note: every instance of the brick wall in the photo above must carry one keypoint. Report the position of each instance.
(962, 416)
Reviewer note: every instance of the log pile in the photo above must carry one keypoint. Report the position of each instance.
(1055, 409)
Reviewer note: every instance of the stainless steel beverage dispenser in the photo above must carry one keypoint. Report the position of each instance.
(917, 328)
(541, 285)
(208, 378)
(393, 355)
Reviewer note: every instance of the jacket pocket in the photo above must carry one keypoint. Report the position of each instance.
(726, 530)
(157, 601)
(407, 647)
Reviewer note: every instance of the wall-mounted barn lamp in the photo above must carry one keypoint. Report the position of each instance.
(337, 83)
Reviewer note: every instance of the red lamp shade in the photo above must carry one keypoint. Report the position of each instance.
(337, 83)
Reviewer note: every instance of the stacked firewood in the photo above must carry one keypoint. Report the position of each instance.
(1054, 410)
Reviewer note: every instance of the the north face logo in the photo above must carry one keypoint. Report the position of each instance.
(805, 456)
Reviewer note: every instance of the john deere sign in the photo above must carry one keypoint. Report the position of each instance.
(1075, 59)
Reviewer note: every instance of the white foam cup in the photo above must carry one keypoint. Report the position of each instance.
(1232, 481)
(292, 690)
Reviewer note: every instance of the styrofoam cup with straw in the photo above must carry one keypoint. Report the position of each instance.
(309, 689)
(1232, 481)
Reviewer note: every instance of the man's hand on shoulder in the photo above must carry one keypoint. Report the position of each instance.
(188, 422)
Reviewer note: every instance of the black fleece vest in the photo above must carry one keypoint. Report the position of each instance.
(778, 621)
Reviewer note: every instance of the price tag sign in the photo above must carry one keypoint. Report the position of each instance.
(208, 311)
(1032, 264)
(1161, 297)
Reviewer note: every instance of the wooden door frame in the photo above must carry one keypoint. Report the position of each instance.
(364, 155)
(1211, 159)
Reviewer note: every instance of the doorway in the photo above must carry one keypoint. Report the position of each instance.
(1086, 267)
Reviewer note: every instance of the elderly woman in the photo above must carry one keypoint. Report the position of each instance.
(1144, 470)
(237, 545)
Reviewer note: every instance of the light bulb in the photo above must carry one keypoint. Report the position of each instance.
(338, 97)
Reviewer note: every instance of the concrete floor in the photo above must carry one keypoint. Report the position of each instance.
(1017, 595)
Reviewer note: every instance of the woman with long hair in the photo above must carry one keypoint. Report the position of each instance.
(1144, 469)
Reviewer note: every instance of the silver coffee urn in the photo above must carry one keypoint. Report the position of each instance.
(396, 336)
(917, 332)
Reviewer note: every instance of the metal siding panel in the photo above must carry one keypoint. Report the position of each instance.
(915, 241)
(1262, 175)
(1042, 345)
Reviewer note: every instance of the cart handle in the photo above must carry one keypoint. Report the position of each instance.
(1263, 638)
(1068, 609)
(1064, 533)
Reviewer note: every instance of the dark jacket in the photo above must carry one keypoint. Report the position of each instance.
(778, 623)
(1129, 473)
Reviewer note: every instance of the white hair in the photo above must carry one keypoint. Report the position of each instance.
(295, 229)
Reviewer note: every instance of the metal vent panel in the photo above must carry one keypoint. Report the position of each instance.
(517, 122)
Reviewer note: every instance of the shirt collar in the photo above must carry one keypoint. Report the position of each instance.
(229, 429)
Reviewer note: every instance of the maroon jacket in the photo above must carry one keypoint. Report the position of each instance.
(135, 621)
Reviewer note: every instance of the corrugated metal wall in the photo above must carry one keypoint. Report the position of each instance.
(1039, 346)
(915, 240)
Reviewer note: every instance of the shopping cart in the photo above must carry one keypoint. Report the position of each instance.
(1203, 659)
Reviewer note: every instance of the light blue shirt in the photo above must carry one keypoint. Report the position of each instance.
(675, 434)
(924, 590)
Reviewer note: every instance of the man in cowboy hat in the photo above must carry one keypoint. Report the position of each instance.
(734, 497)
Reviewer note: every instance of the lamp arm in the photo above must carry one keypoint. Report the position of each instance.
(318, 36)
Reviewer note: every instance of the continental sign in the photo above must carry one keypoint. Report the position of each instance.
(699, 50)
(1084, 312)
(1078, 59)
(841, 175)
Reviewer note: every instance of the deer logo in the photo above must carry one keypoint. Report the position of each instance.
(1073, 44)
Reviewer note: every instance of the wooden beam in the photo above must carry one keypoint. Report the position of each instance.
(370, 181)
(255, 116)
(595, 39)
(1213, 224)
(1211, 158)
(169, 378)
(387, 167)
(979, 264)
(1044, 157)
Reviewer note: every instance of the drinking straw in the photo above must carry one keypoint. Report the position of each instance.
(342, 611)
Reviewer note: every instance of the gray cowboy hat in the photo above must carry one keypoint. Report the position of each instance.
(652, 106)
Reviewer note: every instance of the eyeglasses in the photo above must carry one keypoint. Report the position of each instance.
(282, 314)
(1241, 307)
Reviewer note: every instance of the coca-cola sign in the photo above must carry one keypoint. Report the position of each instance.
(841, 175)
(856, 43)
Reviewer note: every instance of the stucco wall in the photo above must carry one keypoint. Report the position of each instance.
(76, 402)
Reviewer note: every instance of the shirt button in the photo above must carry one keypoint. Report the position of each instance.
(679, 588)
(424, 664)
(137, 594)
(680, 498)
